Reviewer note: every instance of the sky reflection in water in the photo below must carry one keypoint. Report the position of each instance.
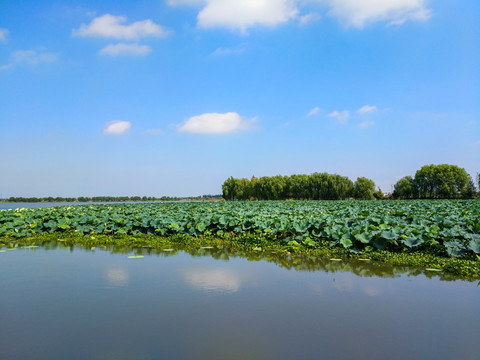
(81, 304)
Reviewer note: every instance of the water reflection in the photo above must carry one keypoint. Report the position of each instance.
(116, 275)
(291, 262)
(212, 279)
(346, 282)
(122, 355)
(371, 290)
(172, 305)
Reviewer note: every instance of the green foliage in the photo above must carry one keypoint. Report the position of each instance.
(448, 226)
(436, 182)
(317, 186)
(443, 182)
(404, 188)
(379, 195)
(363, 189)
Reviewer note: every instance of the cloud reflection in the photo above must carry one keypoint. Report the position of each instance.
(349, 283)
(213, 280)
(116, 275)
(371, 290)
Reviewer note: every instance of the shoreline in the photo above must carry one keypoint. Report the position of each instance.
(257, 247)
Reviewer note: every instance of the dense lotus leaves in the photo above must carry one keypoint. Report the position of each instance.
(412, 242)
(454, 248)
(356, 225)
(474, 244)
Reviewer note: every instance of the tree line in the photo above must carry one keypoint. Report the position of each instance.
(82, 199)
(317, 186)
(430, 182)
(437, 182)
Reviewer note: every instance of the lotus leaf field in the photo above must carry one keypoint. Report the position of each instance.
(451, 226)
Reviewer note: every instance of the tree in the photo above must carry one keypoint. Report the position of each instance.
(404, 188)
(341, 187)
(469, 191)
(379, 195)
(252, 191)
(230, 189)
(442, 182)
(317, 186)
(363, 189)
(297, 187)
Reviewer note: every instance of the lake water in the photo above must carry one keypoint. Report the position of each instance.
(81, 304)
(36, 205)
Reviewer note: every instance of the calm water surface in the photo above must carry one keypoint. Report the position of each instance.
(36, 205)
(81, 304)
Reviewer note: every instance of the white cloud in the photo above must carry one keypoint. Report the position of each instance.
(117, 127)
(308, 18)
(357, 13)
(228, 51)
(240, 15)
(341, 116)
(215, 123)
(110, 26)
(366, 124)
(314, 111)
(125, 49)
(3, 35)
(367, 109)
(243, 14)
(32, 57)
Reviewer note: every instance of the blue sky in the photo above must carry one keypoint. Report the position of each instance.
(171, 97)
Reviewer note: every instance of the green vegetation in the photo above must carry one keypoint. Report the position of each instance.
(448, 226)
(436, 182)
(363, 189)
(317, 186)
(430, 182)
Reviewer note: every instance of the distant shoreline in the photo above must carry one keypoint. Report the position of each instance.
(106, 199)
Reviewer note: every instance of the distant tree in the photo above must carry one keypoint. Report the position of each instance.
(244, 189)
(341, 187)
(404, 188)
(252, 188)
(379, 195)
(469, 191)
(230, 189)
(363, 189)
(442, 182)
(271, 187)
(297, 187)
(317, 186)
